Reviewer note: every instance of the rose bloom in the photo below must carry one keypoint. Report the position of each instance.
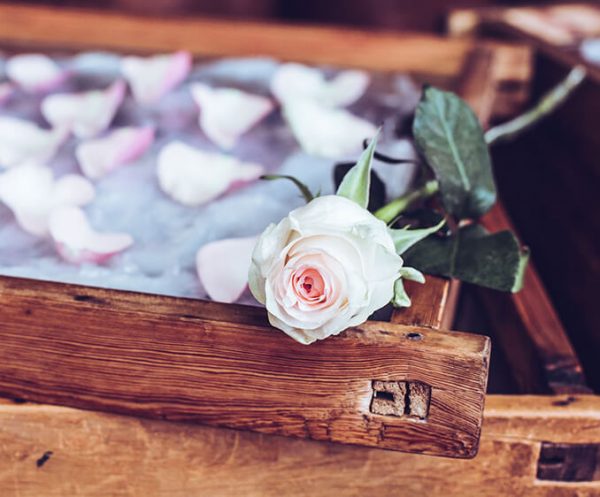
(325, 267)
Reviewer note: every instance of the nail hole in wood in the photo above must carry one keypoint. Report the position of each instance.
(401, 399)
(414, 336)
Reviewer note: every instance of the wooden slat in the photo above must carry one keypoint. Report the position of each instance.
(81, 29)
(95, 455)
(190, 360)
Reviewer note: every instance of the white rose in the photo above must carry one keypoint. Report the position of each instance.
(325, 267)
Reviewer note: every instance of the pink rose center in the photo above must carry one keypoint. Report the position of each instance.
(309, 285)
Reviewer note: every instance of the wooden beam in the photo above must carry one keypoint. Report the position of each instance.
(95, 454)
(190, 360)
(85, 29)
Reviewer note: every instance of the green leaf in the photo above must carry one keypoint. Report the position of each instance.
(449, 136)
(377, 190)
(494, 261)
(304, 190)
(357, 181)
(401, 298)
(405, 238)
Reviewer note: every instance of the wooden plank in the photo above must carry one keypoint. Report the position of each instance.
(96, 454)
(191, 360)
(533, 310)
(84, 29)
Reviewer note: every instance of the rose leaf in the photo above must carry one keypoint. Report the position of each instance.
(448, 135)
(304, 190)
(474, 256)
(377, 191)
(405, 238)
(356, 183)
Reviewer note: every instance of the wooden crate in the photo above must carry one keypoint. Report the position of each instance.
(527, 443)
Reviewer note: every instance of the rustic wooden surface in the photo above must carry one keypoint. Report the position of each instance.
(418, 53)
(183, 359)
(95, 455)
(463, 23)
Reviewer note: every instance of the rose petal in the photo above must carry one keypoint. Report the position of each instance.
(32, 193)
(153, 77)
(77, 242)
(223, 266)
(326, 132)
(228, 113)
(194, 177)
(100, 156)
(294, 82)
(85, 114)
(35, 72)
(23, 142)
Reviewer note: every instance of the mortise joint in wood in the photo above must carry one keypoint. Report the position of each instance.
(401, 399)
(569, 462)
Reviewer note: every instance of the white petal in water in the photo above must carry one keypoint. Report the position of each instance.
(295, 81)
(151, 78)
(100, 156)
(194, 177)
(85, 114)
(32, 193)
(35, 72)
(223, 267)
(228, 113)
(23, 142)
(326, 132)
(77, 242)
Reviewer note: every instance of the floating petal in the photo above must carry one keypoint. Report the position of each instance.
(298, 82)
(32, 193)
(100, 156)
(85, 114)
(194, 177)
(326, 132)
(77, 242)
(228, 113)
(23, 142)
(151, 78)
(223, 267)
(35, 72)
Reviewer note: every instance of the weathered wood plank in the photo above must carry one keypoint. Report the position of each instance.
(82, 29)
(96, 454)
(190, 360)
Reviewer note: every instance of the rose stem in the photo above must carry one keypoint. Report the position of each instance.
(390, 211)
(547, 104)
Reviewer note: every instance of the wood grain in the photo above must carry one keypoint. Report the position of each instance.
(96, 454)
(190, 360)
(82, 29)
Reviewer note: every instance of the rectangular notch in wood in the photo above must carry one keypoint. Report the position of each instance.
(569, 462)
(401, 398)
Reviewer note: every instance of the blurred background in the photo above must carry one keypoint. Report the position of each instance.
(428, 15)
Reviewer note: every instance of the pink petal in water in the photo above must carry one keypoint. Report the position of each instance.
(222, 267)
(194, 177)
(85, 114)
(151, 78)
(77, 242)
(228, 113)
(100, 156)
(35, 72)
